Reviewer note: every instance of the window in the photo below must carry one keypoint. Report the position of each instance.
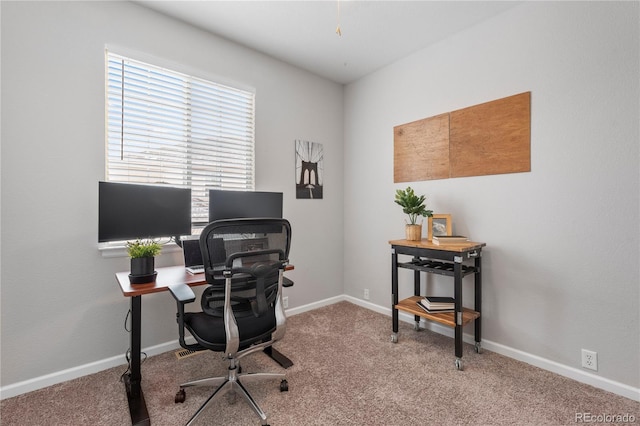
(166, 127)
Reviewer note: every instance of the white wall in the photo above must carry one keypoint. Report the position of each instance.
(61, 306)
(561, 263)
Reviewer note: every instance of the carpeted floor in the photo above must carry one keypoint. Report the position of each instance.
(346, 372)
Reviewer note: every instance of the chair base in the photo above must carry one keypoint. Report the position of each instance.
(231, 383)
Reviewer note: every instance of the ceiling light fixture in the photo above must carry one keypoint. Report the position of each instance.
(338, 30)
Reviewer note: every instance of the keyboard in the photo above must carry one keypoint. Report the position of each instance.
(199, 269)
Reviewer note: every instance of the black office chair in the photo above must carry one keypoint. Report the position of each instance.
(242, 310)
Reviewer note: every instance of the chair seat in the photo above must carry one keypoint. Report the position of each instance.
(209, 330)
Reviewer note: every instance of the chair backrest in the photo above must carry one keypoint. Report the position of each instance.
(250, 251)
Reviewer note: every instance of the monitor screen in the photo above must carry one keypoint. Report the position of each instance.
(237, 204)
(129, 211)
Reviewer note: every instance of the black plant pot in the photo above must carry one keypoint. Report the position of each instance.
(142, 270)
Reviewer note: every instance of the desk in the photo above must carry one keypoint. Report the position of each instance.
(446, 260)
(166, 277)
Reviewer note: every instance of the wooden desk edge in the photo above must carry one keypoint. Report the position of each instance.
(166, 276)
(424, 243)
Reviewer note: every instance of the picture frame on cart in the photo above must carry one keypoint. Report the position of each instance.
(439, 224)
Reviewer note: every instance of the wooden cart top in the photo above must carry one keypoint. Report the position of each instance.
(426, 244)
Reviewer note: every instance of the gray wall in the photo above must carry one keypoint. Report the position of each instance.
(561, 263)
(61, 306)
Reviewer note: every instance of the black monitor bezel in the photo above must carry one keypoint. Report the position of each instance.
(233, 204)
(127, 211)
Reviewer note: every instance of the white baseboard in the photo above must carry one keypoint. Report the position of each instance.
(79, 371)
(314, 305)
(563, 370)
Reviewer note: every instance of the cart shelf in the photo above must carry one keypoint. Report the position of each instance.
(410, 305)
(435, 267)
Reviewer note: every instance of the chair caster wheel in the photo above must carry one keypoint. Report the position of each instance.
(284, 385)
(180, 396)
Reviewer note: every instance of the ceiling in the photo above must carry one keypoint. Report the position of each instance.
(303, 33)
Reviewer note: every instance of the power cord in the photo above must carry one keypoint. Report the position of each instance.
(127, 354)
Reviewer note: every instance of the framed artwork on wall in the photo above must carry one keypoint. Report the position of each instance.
(309, 169)
(439, 224)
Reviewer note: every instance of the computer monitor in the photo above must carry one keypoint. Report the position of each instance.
(128, 211)
(241, 204)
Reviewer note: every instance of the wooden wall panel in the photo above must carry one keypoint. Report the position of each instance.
(491, 138)
(421, 150)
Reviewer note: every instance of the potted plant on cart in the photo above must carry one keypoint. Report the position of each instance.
(142, 254)
(414, 206)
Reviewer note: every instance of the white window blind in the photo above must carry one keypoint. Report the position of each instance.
(166, 127)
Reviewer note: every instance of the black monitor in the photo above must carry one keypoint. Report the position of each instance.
(129, 211)
(240, 204)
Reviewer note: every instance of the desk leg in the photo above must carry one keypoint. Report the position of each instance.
(278, 357)
(137, 405)
(394, 294)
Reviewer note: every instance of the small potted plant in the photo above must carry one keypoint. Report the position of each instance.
(142, 254)
(414, 206)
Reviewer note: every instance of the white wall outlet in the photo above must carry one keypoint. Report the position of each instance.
(590, 359)
(366, 294)
(285, 302)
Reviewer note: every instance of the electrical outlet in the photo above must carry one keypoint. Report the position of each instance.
(366, 294)
(285, 302)
(590, 359)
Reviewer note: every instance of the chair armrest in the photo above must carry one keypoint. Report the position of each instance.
(182, 293)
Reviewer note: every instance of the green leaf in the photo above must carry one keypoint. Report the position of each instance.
(143, 248)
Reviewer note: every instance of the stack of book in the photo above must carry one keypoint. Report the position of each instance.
(449, 239)
(433, 304)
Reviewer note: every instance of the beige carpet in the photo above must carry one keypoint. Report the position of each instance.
(346, 372)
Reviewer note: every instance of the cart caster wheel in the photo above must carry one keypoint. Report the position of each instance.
(459, 365)
(180, 396)
(478, 348)
(394, 338)
(416, 326)
(284, 385)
